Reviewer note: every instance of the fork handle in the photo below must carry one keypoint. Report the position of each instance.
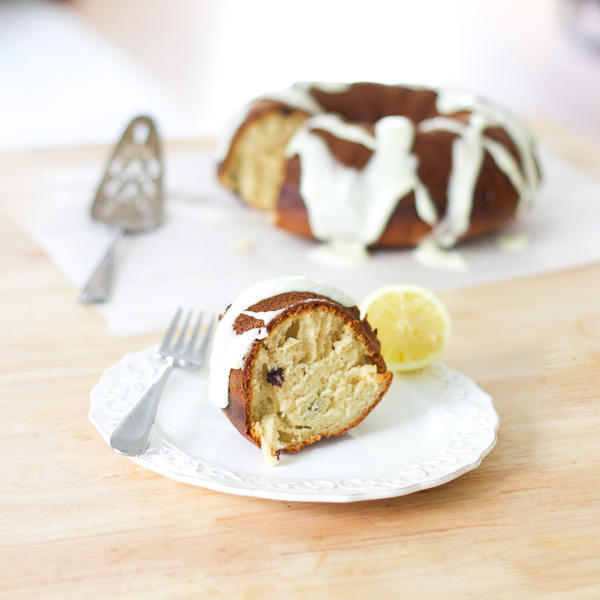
(99, 286)
(132, 435)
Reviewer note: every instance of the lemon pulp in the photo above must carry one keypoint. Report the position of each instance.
(412, 325)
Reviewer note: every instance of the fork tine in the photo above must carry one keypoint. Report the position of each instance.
(206, 340)
(192, 342)
(164, 347)
(179, 342)
(132, 434)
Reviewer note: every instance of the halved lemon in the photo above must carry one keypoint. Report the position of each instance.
(412, 325)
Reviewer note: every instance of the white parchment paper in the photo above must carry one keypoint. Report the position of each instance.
(211, 247)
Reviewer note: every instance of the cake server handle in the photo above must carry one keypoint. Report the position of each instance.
(99, 287)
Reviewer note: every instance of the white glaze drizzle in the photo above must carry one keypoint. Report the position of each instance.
(503, 158)
(342, 130)
(329, 87)
(338, 254)
(430, 254)
(229, 348)
(343, 203)
(467, 157)
(346, 204)
(450, 100)
(513, 242)
(426, 209)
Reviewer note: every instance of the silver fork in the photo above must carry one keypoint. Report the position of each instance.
(132, 435)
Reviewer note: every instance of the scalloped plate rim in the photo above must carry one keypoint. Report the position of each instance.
(258, 492)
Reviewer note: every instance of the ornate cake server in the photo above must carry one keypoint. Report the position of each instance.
(129, 198)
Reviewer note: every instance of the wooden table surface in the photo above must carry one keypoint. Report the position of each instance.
(79, 521)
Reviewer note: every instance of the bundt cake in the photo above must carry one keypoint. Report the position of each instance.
(292, 362)
(380, 165)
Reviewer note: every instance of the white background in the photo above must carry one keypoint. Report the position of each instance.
(76, 72)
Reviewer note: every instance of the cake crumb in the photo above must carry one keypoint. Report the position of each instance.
(513, 242)
(242, 245)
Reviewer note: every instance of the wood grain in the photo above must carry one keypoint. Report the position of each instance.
(78, 521)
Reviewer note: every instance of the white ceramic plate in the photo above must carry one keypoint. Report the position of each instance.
(431, 427)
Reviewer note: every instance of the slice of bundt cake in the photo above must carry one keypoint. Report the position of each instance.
(292, 362)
